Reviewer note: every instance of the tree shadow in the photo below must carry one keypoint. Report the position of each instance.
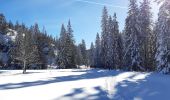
(90, 74)
(148, 88)
(2, 72)
(18, 73)
(74, 95)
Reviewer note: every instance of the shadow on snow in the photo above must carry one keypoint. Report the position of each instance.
(153, 86)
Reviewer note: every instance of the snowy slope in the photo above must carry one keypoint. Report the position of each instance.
(83, 84)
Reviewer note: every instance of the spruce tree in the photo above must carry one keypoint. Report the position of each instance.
(83, 52)
(104, 36)
(66, 57)
(91, 55)
(163, 38)
(146, 35)
(24, 50)
(110, 45)
(3, 24)
(133, 60)
(70, 46)
(117, 44)
(62, 48)
(97, 55)
(79, 57)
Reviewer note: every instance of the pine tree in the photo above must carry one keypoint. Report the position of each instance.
(91, 56)
(97, 55)
(83, 52)
(71, 46)
(3, 24)
(117, 44)
(79, 57)
(132, 56)
(24, 50)
(163, 38)
(38, 42)
(67, 58)
(10, 25)
(110, 45)
(146, 39)
(104, 36)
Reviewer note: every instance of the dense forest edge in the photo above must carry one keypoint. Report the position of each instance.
(143, 45)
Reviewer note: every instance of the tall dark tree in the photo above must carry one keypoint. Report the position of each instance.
(71, 46)
(3, 24)
(79, 56)
(163, 38)
(97, 58)
(67, 58)
(83, 52)
(146, 35)
(132, 58)
(117, 44)
(62, 49)
(104, 35)
(24, 50)
(92, 55)
(110, 44)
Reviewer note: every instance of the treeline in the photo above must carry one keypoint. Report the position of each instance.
(143, 45)
(25, 46)
(31, 48)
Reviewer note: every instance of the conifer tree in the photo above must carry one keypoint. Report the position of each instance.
(83, 52)
(104, 36)
(70, 46)
(91, 56)
(62, 49)
(97, 54)
(117, 44)
(79, 57)
(67, 58)
(24, 50)
(163, 38)
(146, 35)
(132, 56)
(3, 24)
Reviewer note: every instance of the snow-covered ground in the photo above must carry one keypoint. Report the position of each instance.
(83, 84)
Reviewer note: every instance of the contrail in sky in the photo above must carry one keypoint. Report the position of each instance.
(101, 4)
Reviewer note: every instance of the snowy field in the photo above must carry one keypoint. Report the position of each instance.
(82, 84)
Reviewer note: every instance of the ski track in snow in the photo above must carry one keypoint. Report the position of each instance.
(83, 84)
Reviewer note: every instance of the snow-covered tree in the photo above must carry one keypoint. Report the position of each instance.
(117, 44)
(62, 48)
(24, 51)
(83, 52)
(3, 24)
(163, 38)
(97, 54)
(104, 36)
(146, 35)
(39, 41)
(132, 56)
(91, 55)
(110, 45)
(79, 57)
(66, 57)
(71, 46)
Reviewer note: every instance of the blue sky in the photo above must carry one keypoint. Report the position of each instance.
(85, 15)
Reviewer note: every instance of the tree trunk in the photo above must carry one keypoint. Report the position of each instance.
(24, 68)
